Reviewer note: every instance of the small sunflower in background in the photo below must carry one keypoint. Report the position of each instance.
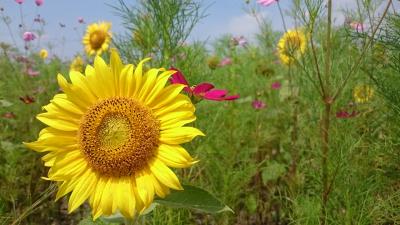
(43, 53)
(291, 45)
(77, 64)
(97, 38)
(213, 62)
(363, 93)
(113, 135)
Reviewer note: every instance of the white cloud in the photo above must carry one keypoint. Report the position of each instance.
(244, 24)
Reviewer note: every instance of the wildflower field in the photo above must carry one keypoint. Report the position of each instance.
(297, 122)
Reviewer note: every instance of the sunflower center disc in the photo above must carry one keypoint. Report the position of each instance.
(97, 39)
(118, 136)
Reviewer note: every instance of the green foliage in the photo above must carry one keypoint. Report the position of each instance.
(193, 198)
(156, 28)
(386, 57)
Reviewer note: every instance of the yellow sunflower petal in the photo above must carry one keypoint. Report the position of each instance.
(179, 135)
(82, 190)
(165, 175)
(175, 156)
(145, 187)
(138, 74)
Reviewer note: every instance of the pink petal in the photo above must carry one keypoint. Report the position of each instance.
(258, 104)
(178, 78)
(232, 97)
(216, 95)
(202, 88)
(266, 2)
(39, 2)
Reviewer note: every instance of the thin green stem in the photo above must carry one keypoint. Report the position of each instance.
(283, 19)
(357, 63)
(325, 120)
(314, 55)
(328, 55)
(294, 133)
(47, 193)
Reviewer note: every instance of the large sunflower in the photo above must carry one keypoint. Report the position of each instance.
(113, 134)
(291, 45)
(97, 38)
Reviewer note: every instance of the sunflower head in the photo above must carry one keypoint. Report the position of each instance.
(292, 44)
(43, 53)
(363, 93)
(113, 135)
(77, 64)
(213, 62)
(97, 38)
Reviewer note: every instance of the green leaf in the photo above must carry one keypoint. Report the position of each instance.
(5, 103)
(251, 203)
(194, 198)
(114, 218)
(273, 171)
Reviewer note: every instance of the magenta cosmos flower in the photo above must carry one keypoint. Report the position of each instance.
(276, 85)
(342, 114)
(39, 2)
(19, 1)
(266, 2)
(29, 36)
(201, 91)
(258, 104)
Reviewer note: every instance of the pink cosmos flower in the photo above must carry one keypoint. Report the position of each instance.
(258, 104)
(357, 26)
(276, 85)
(19, 1)
(225, 61)
(201, 91)
(39, 2)
(266, 2)
(29, 36)
(80, 20)
(32, 72)
(342, 114)
(241, 41)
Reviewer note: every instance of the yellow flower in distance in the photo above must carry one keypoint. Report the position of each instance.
(113, 135)
(77, 64)
(97, 38)
(291, 45)
(363, 93)
(43, 53)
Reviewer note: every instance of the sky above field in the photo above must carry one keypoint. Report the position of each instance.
(224, 17)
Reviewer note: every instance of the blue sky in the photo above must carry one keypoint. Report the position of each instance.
(224, 16)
